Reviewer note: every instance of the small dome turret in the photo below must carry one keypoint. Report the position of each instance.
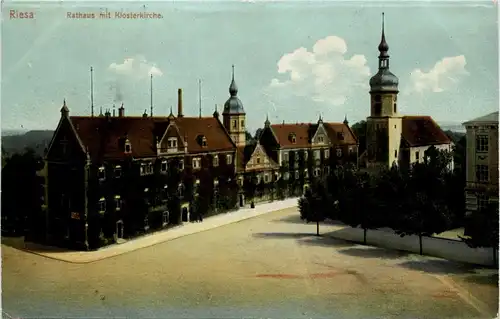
(233, 105)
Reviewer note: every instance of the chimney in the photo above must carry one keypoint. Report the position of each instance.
(179, 103)
(121, 111)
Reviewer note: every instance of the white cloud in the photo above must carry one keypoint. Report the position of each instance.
(325, 74)
(445, 75)
(137, 67)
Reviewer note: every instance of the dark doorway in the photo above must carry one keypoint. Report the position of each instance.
(242, 200)
(119, 230)
(185, 214)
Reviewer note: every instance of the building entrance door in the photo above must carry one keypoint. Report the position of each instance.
(119, 230)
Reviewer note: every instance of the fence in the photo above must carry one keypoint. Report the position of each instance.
(438, 247)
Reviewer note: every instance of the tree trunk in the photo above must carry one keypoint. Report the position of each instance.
(317, 228)
(420, 242)
(364, 236)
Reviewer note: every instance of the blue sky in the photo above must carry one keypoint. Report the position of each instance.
(293, 60)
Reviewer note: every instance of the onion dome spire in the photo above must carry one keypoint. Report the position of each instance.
(233, 88)
(383, 47)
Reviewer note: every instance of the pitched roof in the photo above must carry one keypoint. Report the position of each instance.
(103, 136)
(333, 130)
(490, 118)
(422, 130)
(304, 132)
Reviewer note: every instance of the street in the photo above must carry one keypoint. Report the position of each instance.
(268, 266)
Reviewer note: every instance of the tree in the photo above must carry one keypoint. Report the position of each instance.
(21, 198)
(359, 129)
(483, 229)
(312, 205)
(249, 137)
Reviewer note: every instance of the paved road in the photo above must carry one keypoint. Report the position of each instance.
(269, 266)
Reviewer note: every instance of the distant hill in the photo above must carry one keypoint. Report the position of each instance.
(37, 140)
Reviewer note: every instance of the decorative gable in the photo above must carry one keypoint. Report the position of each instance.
(65, 143)
(260, 160)
(171, 141)
(321, 136)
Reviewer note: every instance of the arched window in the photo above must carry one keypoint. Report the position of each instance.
(395, 108)
(378, 108)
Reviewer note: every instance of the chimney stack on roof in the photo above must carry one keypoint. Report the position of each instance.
(179, 103)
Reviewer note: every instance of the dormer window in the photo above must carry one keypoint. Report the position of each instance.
(339, 152)
(340, 135)
(216, 161)
(118, 171)
(320, 139)
(128, 147)
(293, 138)
(181, 165)
(101, 173)
(172, 142)
(202, 140)
(229, 159)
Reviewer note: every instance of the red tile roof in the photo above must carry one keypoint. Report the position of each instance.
(422, 130)
(304, 132)
(104, 137)
(333, 130)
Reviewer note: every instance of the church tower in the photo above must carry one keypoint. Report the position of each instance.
(234, 116)
(384, 125)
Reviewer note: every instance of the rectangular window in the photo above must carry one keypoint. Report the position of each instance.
(216, 161)
(172, 142)
(118, 171)
(320, 139)
(235, 124)
(306, 155)
(417, 155)
(101, 173)
(297, 157)
(482, 143)
(196, 163)
(118, 203)
(286, 176)
(267, 178)
(164, 166)
(339, 152)
(146, 168)
(396, 154)
(297, 175)
(257, 160)
(482, 201)
(327, 170)
(101, 205)
(229, 159)
(181, 165)
(242, 124)
(316, 172)
(482, 173)
(306, 173)
(327, 153)
(317, 154)
(285, 157)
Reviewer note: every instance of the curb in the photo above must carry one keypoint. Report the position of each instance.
(225, 219)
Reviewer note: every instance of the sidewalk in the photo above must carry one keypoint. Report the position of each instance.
(83, 257)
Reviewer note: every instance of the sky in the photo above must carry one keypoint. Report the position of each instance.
(293, 60)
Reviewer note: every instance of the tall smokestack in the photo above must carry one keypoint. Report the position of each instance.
(121, 111)
(179, 103)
